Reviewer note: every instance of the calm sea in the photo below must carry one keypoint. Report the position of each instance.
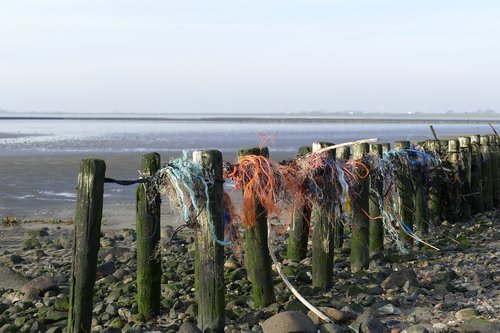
(39, 157)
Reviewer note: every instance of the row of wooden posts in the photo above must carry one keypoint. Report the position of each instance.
(474, 162)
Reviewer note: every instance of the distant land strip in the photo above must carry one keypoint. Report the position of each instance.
(273, 119)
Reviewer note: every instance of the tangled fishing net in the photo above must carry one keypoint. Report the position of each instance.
(411, 162)
(314, 180)
(186, 184)
(261, 181)
(382, 169)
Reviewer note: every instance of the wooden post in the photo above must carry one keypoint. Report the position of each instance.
(455, 202)
(477, 203)
(299, 228)
(147, 216)
(376, 227)
(405, 190)
(322, 220)
(465, 176)
(86, 244)
(421, 212)
(342, 154)
(436, 186)
(386, 147)
(494, 169)
(209, 256)
(486, 174)
(360, 222)
(258, 260)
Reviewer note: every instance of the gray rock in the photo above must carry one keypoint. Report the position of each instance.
(8, 328)
(61, 303)
(275, 307)
(20, 321)
(178, 305)
(480, 325)
(289, 321)
(106, 269)
(54, 330)
(37, 287)
(440, 328)
(295, 305)
(129, 235)
(3, 307)
(114, 295)
(388, 309)
(331, 328)
(125, 313)
(399, 278)
(40, 254)
(253, 317)
(189, 328)
(54, 316)
(376, 290)
(238, 302)
(120, 274)
(465, 313)
(107, 242)
(337, 315)
(367, 323)
(43, 232)
(112, 330)
(98, 308)
(31, 243)
(36, 327)
(112, 309)
(354, 290)
(15, 259)
(417, 329)
(192, 310)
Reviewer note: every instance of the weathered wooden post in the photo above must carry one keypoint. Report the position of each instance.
(405, 190)
(209, 255)
(360, 257)
(486, 174)
(419, 171)
(477, 203)
(386, 147)
(465, 175)
(455, 202)
(257, 258)
(494, 169)
(342, 154)
(85, 244)
(322, 219)
(436, 186)
(376, 227)
(299, 228)
(147, 210)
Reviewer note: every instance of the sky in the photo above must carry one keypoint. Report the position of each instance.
(161, 56)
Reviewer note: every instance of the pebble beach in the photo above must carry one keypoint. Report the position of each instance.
(455, 289)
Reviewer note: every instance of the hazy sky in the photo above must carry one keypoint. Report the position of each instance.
(249, 56)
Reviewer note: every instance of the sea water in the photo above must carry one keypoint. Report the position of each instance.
(39, 157)
(69, 136)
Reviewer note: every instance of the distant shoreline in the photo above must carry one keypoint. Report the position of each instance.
(262, 119)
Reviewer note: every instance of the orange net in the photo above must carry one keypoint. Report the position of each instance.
(260, 177)
(314, 179)
(266, 139)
